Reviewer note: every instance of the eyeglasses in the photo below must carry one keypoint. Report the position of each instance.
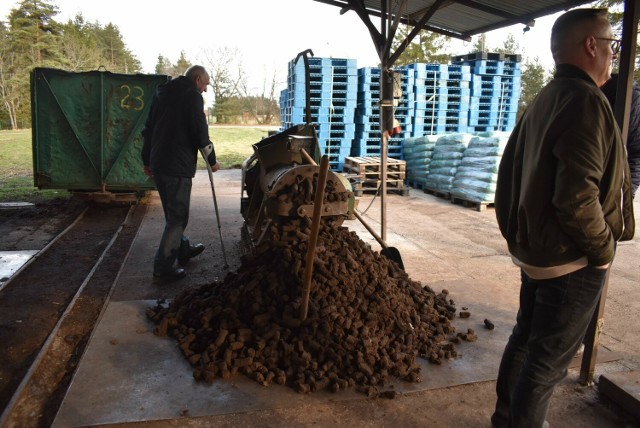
(615, 44)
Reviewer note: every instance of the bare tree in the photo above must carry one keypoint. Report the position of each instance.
(10, 83)
(228, 78)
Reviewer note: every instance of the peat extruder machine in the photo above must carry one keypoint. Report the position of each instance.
(280, 179)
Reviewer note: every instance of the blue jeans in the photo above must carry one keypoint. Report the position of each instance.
(552, 320)
(175, 194)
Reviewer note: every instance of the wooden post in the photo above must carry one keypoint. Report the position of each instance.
(313, 236)
(621, 109)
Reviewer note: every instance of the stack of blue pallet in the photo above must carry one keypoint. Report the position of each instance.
(333, 84)
(283, 105)
(478, 92)
(495, 90)
(440, 98)
(367, 115)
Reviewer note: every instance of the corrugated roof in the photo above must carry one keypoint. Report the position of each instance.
(461, 18)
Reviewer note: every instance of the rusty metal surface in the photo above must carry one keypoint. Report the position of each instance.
(86, 129)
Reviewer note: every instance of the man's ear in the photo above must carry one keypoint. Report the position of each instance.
(589, 45)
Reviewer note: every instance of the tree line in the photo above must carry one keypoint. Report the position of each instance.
(31, 37)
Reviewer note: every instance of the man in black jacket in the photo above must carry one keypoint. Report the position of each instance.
(563, 200)
(633, 136)
(173, 133)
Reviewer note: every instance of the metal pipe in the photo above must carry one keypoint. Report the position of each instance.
(215, 206)
(367, 226)
(307, 157)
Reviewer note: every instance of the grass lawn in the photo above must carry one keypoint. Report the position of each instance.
(232, 145)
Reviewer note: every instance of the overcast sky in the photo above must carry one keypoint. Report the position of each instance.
(267, 33)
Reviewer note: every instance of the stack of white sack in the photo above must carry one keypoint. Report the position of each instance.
(477, 174)
(447, 155)
(417, 152)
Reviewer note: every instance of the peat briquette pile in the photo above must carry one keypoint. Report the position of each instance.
(367, 320)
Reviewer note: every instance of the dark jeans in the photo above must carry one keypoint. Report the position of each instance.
(552, 320)
(175, 194)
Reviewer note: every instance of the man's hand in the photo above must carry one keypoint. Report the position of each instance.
(147, 171)
(215, 167)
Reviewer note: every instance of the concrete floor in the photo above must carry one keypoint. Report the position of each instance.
(128, 375)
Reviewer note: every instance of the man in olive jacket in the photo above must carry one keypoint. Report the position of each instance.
(563, 200)
(175, 130)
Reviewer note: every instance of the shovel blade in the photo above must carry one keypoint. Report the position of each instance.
(393, 254)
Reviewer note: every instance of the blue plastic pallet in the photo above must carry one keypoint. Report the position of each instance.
(321, 91)
(433, 121)
(486, 79)
(346, 63)
(325, 110)
(344, 127)
(335, 135)
(372, 136)
(373, 119)
(375, 151)
(329, 148)
(323, 117)
(441, 91)
(372, 147)
(323, 102)
(439, 129)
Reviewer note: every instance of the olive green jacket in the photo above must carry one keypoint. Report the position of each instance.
(563, 187)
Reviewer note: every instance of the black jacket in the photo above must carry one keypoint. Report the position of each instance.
(633, 136)
(563, 188)
(175, 129)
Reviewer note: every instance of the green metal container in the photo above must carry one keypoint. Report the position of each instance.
(86, 129)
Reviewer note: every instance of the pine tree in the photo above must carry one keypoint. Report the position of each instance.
(34, 32)
(30, 40)
(510, 46)
(480, 44)
(78, 45)
(182, 65)
(116, 55)
(163, 66)
(425, 47)
(534, 77)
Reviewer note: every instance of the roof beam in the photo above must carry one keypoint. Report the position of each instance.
(527, 17)
(416, 29)
(394, 28)
(494, 11)
(345, 5)
(358, 7)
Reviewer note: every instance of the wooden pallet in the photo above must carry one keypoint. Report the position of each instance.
(374, 184)
(478, 206)
(370, 167)
(416, 184)
(439, 193)
(402, 191)
(365, 175)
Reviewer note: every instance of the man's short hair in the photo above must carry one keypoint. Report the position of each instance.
(568, 22)
(194, 72)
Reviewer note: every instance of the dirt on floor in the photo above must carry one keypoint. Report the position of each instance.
(33, 300)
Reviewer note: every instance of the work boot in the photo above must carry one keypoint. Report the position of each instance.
(194, 250)
(169, 276)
